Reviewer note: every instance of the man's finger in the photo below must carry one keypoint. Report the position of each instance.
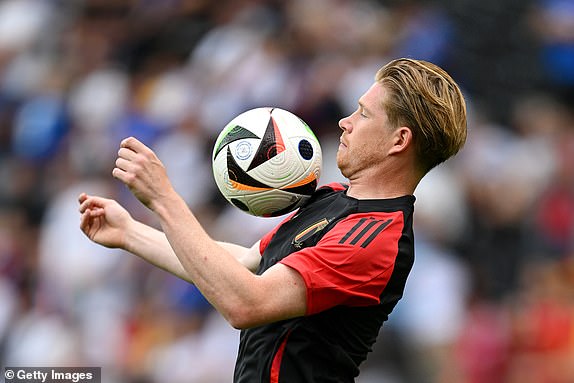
(120, 174)
(134, 144)
(122, 164)
(126, 153)
(92, 202)
(85, 202)
(88, 204)
(85, 220)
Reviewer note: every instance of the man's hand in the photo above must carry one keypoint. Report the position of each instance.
(140, 169)
(104, 221)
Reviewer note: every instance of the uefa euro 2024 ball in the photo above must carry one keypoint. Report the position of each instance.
(267, 162)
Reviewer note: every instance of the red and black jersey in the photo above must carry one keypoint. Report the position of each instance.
(354, 256)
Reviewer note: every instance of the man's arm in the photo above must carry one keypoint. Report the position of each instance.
(152, 245)
(105, 222)
(243, 298)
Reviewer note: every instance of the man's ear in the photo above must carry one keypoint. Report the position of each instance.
(402, 140)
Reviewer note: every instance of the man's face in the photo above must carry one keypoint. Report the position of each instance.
(366, 134)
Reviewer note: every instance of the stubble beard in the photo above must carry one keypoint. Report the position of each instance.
(343, 163)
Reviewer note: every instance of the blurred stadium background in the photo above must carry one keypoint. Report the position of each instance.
(491, 297)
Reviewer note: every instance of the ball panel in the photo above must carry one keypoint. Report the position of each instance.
(306, 186)
(305, 149)
(243, 152)
(239, 204)
(239, 178)
(271, 144)
(272, 203)
(283, 170)
(232, 134)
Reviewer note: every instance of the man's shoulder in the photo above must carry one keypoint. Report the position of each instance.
(325, 192)
(333, 186)
(330, 188)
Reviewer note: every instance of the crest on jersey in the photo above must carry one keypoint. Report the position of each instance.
(309, 232)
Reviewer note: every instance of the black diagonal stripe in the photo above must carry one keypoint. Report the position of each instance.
(237, 174)
(376, 232)
(353, 229)
(364, 231)
(238, 132)
(267, 146)
(306, 189)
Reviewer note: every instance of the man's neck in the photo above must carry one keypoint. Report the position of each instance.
(381, 186)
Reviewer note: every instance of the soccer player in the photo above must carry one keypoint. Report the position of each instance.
(310, 296)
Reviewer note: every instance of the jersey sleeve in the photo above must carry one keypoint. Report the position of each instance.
(352, 263)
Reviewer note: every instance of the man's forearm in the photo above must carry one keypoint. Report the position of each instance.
(152, 246)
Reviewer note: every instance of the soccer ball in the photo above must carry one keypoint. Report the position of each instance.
(267, 162)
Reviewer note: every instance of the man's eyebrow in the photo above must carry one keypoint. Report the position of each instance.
(362, 106)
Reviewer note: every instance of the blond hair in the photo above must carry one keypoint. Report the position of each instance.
(423, 97)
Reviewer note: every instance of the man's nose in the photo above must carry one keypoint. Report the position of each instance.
(345, 124)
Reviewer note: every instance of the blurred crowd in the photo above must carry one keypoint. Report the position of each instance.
(491, 295)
